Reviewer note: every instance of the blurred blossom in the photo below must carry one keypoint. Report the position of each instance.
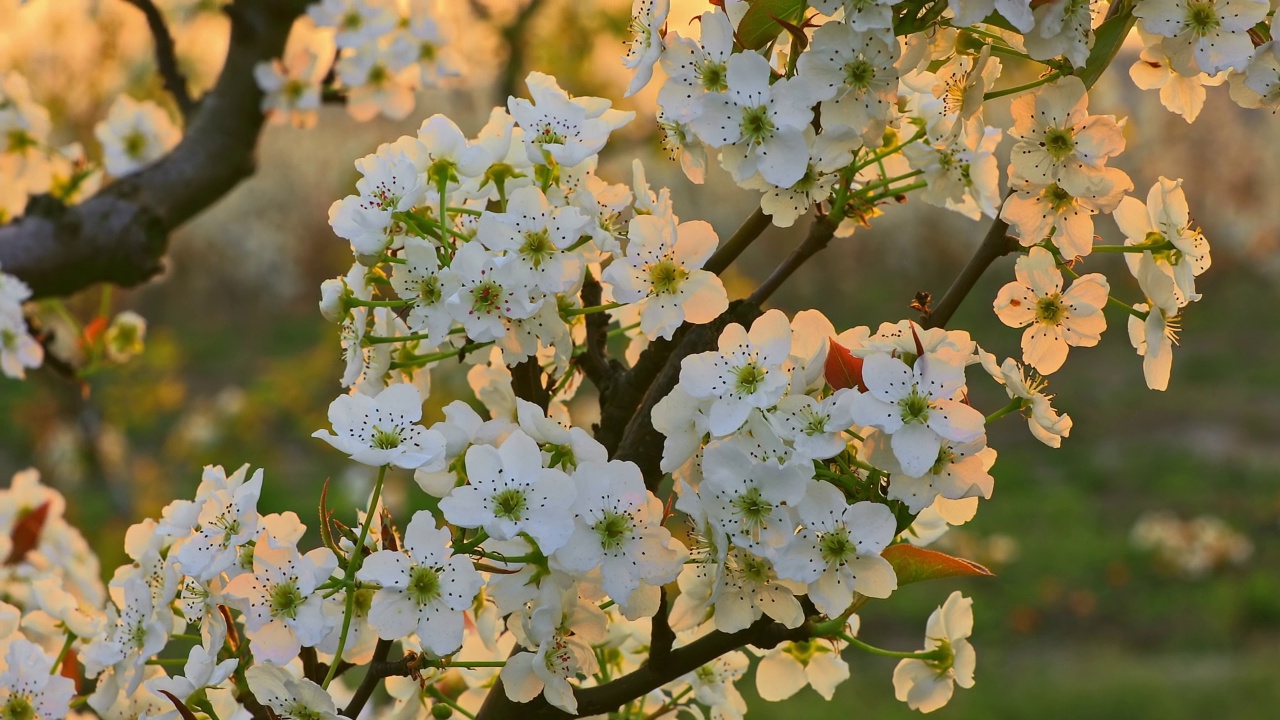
(1192, 548)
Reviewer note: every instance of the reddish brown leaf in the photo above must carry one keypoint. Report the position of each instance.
(842, 369)
(183, 710)
(914, 564)
(26, 533)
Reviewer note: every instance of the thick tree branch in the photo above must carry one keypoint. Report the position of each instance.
(746, 234)
(120, 234)
(166, 56)
(600, 369)
(995, 245)
(379, 668)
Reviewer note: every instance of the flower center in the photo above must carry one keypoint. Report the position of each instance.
(424, 585)
(298, 711)
(429, 291)
(1049, 310)
(859, 74)
(537, 247)
(752, 509)
(613, 529)
(548, 136)
(509, 504)
(18, 707)
(285, 600)
(666, 277)
(385, 439)
(749, 378)
(486, 297)
(134, 144)
(836, 547)
(915, 407)
(756, 125)
(1060, 200)
(1203, 17)
(1059, 142)
(714, 76)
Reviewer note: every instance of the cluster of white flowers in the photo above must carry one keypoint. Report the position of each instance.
(802, 461)
(379, 51)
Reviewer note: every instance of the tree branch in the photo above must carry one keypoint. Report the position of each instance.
(166, 56)
(746, 234)
(120, 234)
(995, 245)
(600, 369)
(820, 234)
(379, 668)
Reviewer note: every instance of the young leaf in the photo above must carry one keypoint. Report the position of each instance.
(914, 564)
(842, 369)
(183, 710)
(759, 25)
(26, 533)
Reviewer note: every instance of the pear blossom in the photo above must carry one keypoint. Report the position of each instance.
(381, 81)
(837, 551)
(695, 68)
(491, 289)
(618, 528)
(864, 16)
(829, 153)
(569, 130)
(421, 39)
(390, 183)
(972, 12)
(1182, 94)
(19, 351)
(645, 46)
(201, 671)
(1259, 84)
(1154, 339)
(28, 689)
(1063, 28)
(562, 628)
(745, 372)
(788, 668)
(125, 336)
(950, 100)
(1211, 35)
(134, 634)
(422, 281)
(962, 470)
(713, 685)
(536, 238)
(927, 685)
(423, 589)
(291, 84)
(662, 273)
(356, 22)
(282, 610)
(383, 429)
(915, 405)
(747, 499)
(760, 125)
(962, 172)
(1045, 423)
(1034, 211)
(853, 74)
(1055, 320)
(1057, 139)
(290, 697)
(134, 134)
(747, 587)
(814, 427)
(509, 492)
(228, 519)
(1178, 252)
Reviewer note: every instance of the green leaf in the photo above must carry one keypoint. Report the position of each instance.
(1107, 40)
(759, 25)
(914, 564)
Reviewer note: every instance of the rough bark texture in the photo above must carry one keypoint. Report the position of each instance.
(120, 234)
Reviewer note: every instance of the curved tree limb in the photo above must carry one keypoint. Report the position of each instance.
(120, 234)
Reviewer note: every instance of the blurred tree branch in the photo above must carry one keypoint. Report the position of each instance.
(166, 58)
(120, 234)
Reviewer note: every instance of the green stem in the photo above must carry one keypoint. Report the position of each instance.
(434, 692)
(1022, 88)
(574, 312)
(1014, 405)
(62, 654)
(1166, 245)
(894, 192)
(889, 181)
(357, 302)
(420, 360)
(353, 564)
(855, 642)
(880, 155)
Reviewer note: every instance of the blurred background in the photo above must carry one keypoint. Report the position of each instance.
(1137, 569)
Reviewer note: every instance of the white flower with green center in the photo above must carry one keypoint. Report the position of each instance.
(748, 499)
(789, 667)
(695, 68)
(355, 22)
(446, 158)
(837, 551)
(424, 589)
(829, 152)
(1066, 210)
(289, 697)
(927, 685)
(422, 281)
(1178, 252)
(1259, 85)
(916, 406)
(1203, 35)
(1043, 420)
(535, 237)
(962, 470)
(854, 75)
(19, 351)
(201, 671)
(814, 427)
(864, 16)
(1055, 320)
(745, 373)
(972, 12)
(760, 124)
(618, 528)
(27, 689)
(134, 134)
(509, 492)
(381, 80)
(134, 634)
(662, 274)
(228, 519)
(961, 171)
(1063, 28)
(282, 610)
(1181, 94)
(747, 587)
(384, 430)
(390, 182)
(645, 45)
(1057, 137)
(568, 130)
(713, 685)
(491, 290)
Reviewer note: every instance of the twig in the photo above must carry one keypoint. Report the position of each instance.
(746, 234)
(820, 233)
(166, 56)
(379, 668)
(661, 637)
(514, 36)
(996, 244)
(600, 369)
